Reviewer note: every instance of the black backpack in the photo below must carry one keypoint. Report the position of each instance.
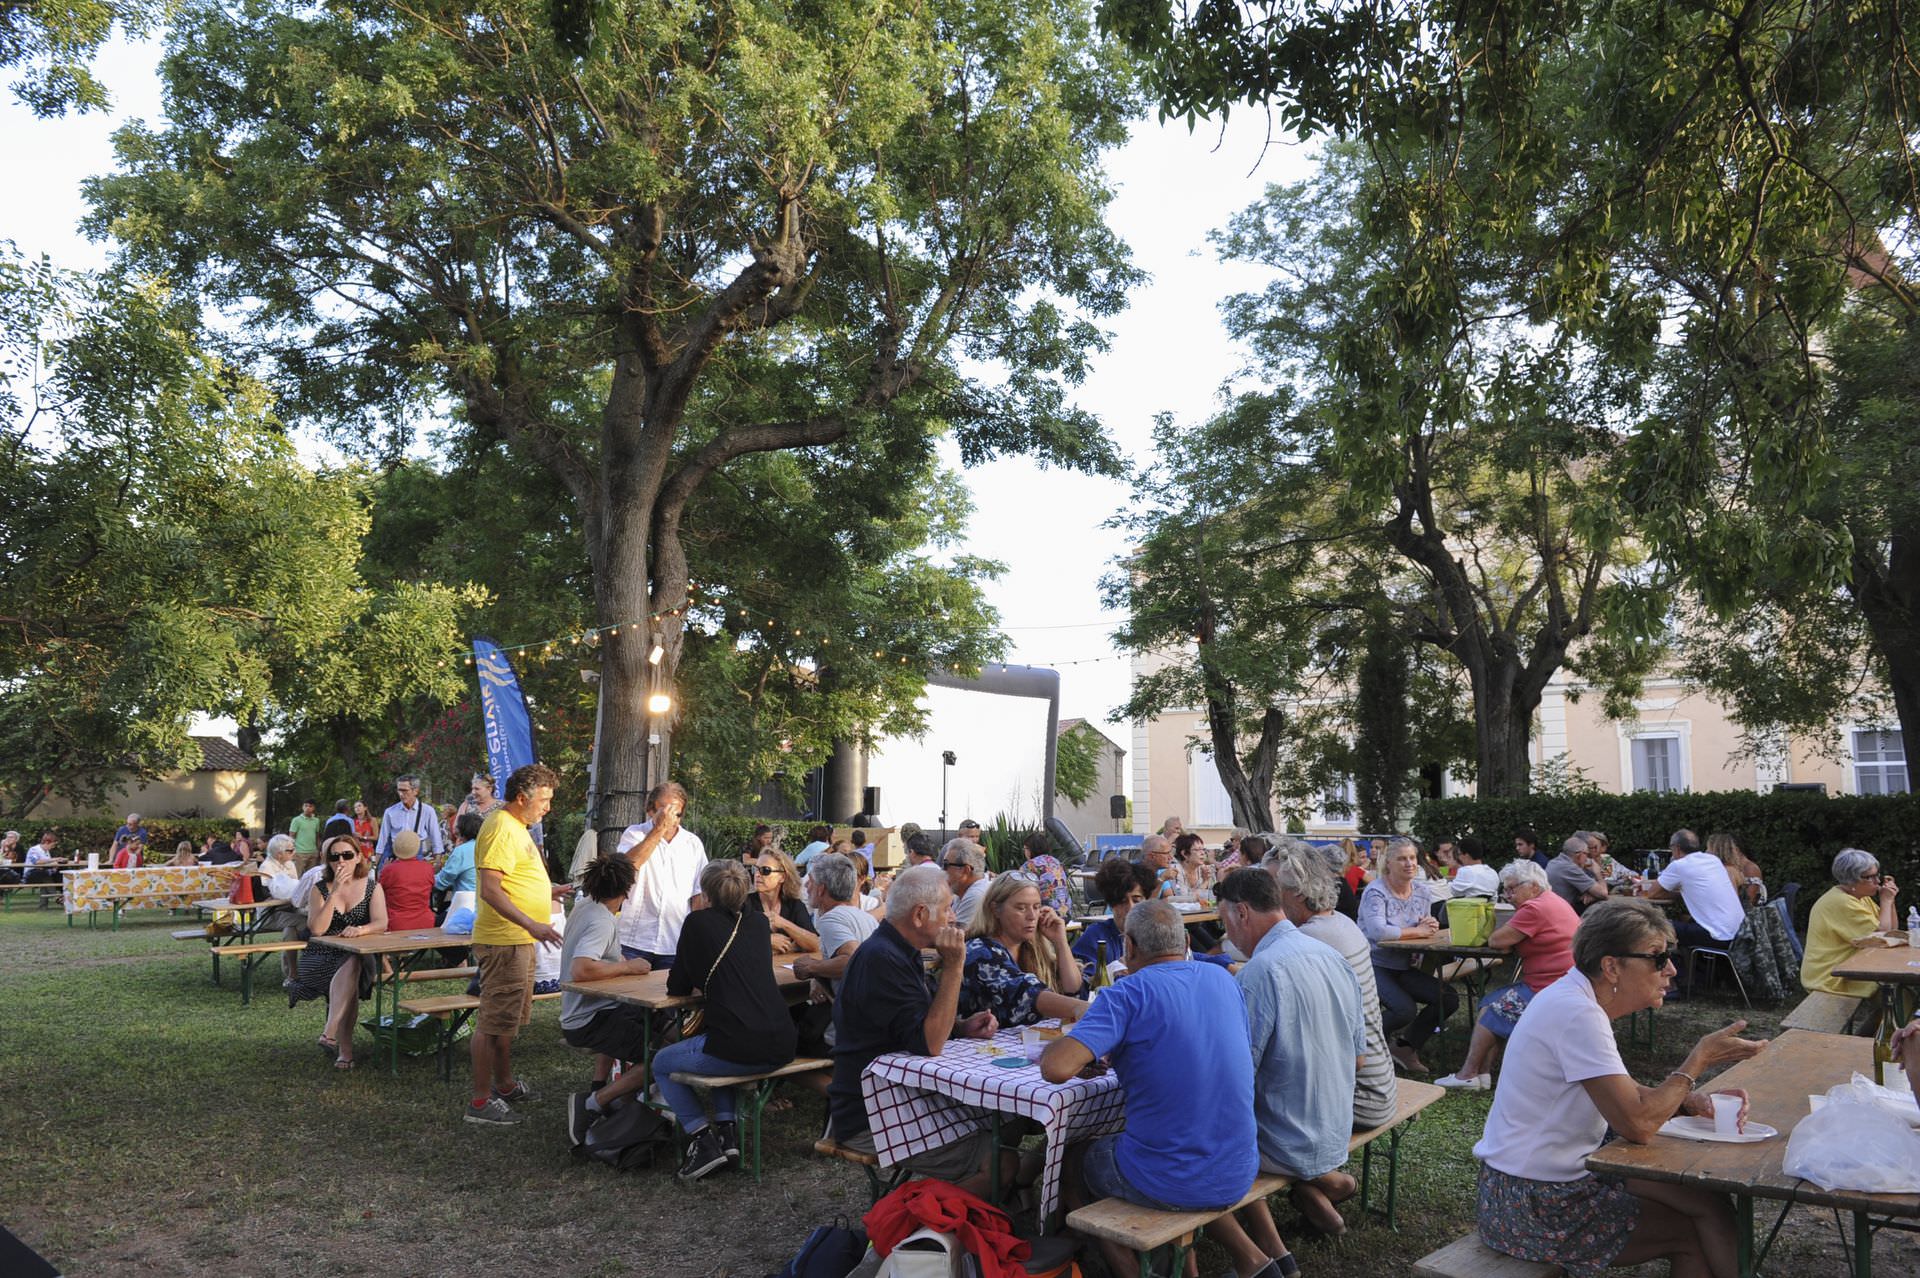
(831, 1251)
(628, 1137)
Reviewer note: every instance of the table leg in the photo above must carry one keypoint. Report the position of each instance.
(1743, 1229)
(1862, 1246)
(993, 1163)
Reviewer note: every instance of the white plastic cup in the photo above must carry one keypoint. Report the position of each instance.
(1031, 1043)
(1726, 1114)
(93, 860)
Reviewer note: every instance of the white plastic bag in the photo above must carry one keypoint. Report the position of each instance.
(546, 955)
(1849, 1143)
(924, 1253)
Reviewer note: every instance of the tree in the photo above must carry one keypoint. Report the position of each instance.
(163, 551)
(1383, 735)
(50, 42)
(723, 232)
(1076, 769)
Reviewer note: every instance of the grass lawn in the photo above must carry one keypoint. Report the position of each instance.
(155, 1126)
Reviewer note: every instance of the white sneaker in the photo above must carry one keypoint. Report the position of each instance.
(1455, 1083)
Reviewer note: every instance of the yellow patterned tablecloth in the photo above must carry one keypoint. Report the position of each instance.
(156, 887)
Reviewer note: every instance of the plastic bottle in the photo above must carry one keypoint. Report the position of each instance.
(1913, 926)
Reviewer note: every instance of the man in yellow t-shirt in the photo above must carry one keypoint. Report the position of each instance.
(1860, 902)
(516, 907)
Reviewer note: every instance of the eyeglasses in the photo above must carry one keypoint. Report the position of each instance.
(953, 865)
(1659, 958)
(765, 869)
(1876, 876)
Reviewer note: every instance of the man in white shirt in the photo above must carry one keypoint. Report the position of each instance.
(409, 814)
(1701, 881)
(668, 858)
(1474, 877)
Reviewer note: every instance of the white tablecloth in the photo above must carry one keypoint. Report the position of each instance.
(918, 1103)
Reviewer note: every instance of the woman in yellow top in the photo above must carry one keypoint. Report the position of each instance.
(1859, 904)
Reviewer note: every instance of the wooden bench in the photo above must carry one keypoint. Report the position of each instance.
(452, 1011)
(878, 1186)
(1823, 1013)
(48, 892)
(758, 1089)
(1470, 1258)
(1146, 1232)
(442, 974)
(251, 955)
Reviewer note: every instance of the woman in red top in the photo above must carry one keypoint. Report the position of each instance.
(365, 828)
(408, 884)
(1359, 870)
(1541, 932)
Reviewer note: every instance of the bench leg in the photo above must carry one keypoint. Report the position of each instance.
(1393, 1175)
(750, 1104)
(1176, 1259)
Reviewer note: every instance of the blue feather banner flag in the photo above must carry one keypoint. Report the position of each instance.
(503, 711)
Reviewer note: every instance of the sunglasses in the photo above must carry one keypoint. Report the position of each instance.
(1659, 958)
(344, 856)
(765, 869)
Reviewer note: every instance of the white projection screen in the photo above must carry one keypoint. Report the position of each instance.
(1000, 747)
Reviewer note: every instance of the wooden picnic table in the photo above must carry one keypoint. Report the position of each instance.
(406, 949)
(1798, 1064)
(650, 993)
(1896, 970)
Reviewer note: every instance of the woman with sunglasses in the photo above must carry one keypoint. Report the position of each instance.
(345, 901)
(776, 894)
(1563, 1085)
(1860, 903)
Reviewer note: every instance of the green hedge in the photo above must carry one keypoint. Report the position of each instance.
(81, 835)
(1792, 837)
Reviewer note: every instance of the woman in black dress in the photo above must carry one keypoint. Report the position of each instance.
(345, 901)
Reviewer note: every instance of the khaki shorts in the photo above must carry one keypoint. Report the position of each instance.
(506, 988)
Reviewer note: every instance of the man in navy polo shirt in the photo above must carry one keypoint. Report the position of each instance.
(887, 1004)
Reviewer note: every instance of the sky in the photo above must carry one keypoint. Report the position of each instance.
(1169, 352)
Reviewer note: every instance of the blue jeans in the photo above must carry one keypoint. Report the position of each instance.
(1413, 1001)
(658, 962)
(689, 1056)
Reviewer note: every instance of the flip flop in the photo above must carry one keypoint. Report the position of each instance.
(327, 1045)
(343, 1063)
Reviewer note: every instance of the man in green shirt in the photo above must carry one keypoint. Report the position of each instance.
(305, 830)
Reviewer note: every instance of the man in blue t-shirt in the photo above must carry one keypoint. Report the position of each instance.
(1176, 1032)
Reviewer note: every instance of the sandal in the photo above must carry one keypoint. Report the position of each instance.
(327, 1045)
(344, 1062)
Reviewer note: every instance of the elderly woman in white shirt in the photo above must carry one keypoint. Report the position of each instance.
(1564, 1085)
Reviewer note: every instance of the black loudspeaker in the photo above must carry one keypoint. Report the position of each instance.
(1117, 807)
(870, 801)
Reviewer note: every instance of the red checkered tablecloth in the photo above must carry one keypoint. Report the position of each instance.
(919, 1103)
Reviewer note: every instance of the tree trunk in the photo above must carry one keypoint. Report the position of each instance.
(1888, 594)
(1249, 791)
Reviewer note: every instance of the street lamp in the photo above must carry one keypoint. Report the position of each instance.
(947, 760)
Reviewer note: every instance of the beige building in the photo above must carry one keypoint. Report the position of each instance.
(1682, 739)
(229, 783)
(1095, 815)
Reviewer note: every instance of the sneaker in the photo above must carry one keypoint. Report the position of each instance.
(704, 1153)
(730, 1140)
(494, 1113)
(516, 1094)
(1455, 1083)
(579, 1118)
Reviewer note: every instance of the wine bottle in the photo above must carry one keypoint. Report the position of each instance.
(1102, 977)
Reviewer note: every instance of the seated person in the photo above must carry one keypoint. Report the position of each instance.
(1906, 1050)
(965, 864)
(1860, 903)
(725, 954)
(1541, 932)
(10, 857)
(41, 858)
(776, 897)
(1309, 1034)
(1472, 876)
(280, 878)
(1176, 1033)
(1122, 885)
(345, 901)
(1018, 964)
(183, 854)
(1564, 1085)
(1705, 885)
(1746, 874)
(1156, 853)
(409, 885)
(612, 1031)
(885, 1005)
(832, 886)
(456, 873)
(1526, 844)
(1574, 876)
(1397, 906)
(1309, 891)
(1044, 868)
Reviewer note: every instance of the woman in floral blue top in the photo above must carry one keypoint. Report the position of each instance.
(1018, 964)
(1047, 873)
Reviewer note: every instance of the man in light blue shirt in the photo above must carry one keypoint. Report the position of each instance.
(1306, 1023)
(457, 874)
(410, 813)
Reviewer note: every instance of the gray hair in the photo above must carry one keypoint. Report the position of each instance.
(1615, 926)
(915, 886)
(405, 778)
(725, 885)
(1399, 841)
(481, 776)
(1854, 864)
(1302, 873)
(132, 817)
(1521, 870)
(1684, 839)
(1575, 845)
(974, 854)
(1155, 843)
(835, 875)
(1156, 930)
(277, 844)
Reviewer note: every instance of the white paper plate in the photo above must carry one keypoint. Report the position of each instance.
(1690, 1127)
